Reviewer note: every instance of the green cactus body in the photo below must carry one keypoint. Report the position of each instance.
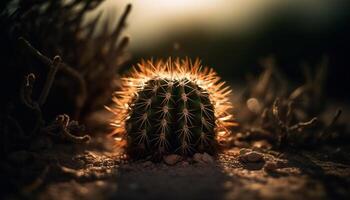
(171, 116)
(171, 107)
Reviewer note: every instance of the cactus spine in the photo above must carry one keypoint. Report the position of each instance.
(171, 107)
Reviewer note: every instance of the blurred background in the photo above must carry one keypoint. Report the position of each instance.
(61, 61)
(234, 35)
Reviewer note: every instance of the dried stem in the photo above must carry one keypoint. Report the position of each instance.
(123, 44)
(275, 112)
(61, 66)
(121, 24)
(289, 114)
(26, 98)
(49, 80)
(302, 125)
(66, 126)
(299, 92)
(27, 91)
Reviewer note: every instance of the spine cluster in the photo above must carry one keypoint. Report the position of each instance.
(170, 116)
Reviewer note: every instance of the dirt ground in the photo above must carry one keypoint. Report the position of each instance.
(97, 173)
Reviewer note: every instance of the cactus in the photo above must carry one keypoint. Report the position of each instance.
(171, 107)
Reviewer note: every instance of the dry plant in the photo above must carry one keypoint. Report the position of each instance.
(286, 119)
(79, 85)
(76, 83)
(58, 28)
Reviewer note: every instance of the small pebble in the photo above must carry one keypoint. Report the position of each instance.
(207, 158)
(252, 157)
(270, 166)
(203, 158)
(197, 157)
(172, 159)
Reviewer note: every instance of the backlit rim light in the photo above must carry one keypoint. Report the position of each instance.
(205, 77)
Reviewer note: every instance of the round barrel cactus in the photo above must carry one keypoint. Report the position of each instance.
(171, 107)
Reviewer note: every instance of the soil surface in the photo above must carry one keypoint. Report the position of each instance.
(96, 172)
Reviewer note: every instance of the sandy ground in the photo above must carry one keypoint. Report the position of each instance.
(99, 174)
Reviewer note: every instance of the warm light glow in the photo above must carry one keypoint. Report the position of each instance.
(152, 22)
(206, 78)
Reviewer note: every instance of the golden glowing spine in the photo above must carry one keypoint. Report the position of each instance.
(183, 72)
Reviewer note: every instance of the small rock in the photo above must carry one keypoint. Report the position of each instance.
(252, 157)
(172, 159)
(254, 165)
(275, 164)
(203, 158)
(197, 157)
(252, 160)
(270, 166)
(207, 158)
